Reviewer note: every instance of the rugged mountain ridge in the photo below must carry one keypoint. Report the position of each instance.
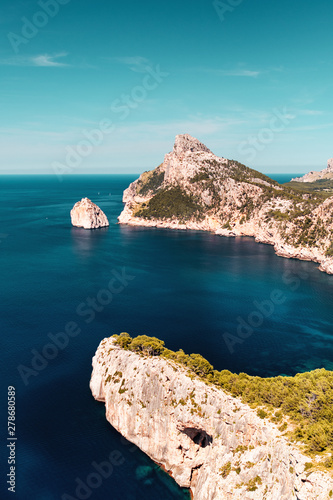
(313, 176)
(206, 439)
(195, 189)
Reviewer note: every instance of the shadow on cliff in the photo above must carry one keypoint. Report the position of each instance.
(198, 436)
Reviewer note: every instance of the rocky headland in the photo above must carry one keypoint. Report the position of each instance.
(206, 439)
(313, 176)
(195, 189)
(88, 215)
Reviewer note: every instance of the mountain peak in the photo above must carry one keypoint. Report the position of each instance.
(330, 165)
(186, 142)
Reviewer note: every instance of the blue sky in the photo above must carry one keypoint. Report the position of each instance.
(104, 86)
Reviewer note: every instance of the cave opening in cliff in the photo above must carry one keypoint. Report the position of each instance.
(198, 436)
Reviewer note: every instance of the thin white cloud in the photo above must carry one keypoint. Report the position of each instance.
(42, 145)
(229, 72)
(42, 60)
(48, 60)
(310, 112)
(312, 128)
(134, 63)
(241, 72)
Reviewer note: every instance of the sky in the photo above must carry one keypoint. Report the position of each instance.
(104, 87)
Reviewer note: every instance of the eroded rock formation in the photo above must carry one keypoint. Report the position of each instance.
(313, 176)
(88, 215)
(206, 439)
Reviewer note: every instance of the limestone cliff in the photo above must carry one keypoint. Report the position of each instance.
(195, 189)
(88, 215)
(312, 176)
(206, 439)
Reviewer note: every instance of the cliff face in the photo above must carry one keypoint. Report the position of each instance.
(207, 440)
(88, 215)
(195, 189)
(327, 173)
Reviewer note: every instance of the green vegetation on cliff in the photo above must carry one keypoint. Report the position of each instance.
(329, 251)
(307, 398)
(170, 203)
(150, 181)
(175, 202)
(324, 187)
(242, 173)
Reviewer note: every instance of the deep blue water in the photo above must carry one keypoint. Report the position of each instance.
(189, 288)
(282, 178)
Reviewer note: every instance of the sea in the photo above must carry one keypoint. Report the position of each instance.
(195, 290)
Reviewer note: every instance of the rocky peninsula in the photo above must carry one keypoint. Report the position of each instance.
(206, 439)
(313, 176)
(88, 215)
(195, 189)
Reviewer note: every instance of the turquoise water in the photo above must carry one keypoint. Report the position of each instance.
(192, 289)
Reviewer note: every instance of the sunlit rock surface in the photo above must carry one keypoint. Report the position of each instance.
(88, 215)
(232, 200)
(206, 439)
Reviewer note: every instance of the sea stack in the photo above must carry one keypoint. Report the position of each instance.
(88, 215)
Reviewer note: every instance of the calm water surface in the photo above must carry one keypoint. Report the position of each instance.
(189, 288)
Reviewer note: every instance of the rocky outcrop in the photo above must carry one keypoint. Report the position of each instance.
(186, 142)
(195, 189)
(206, 439)
(313, 176)
(88, 215)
